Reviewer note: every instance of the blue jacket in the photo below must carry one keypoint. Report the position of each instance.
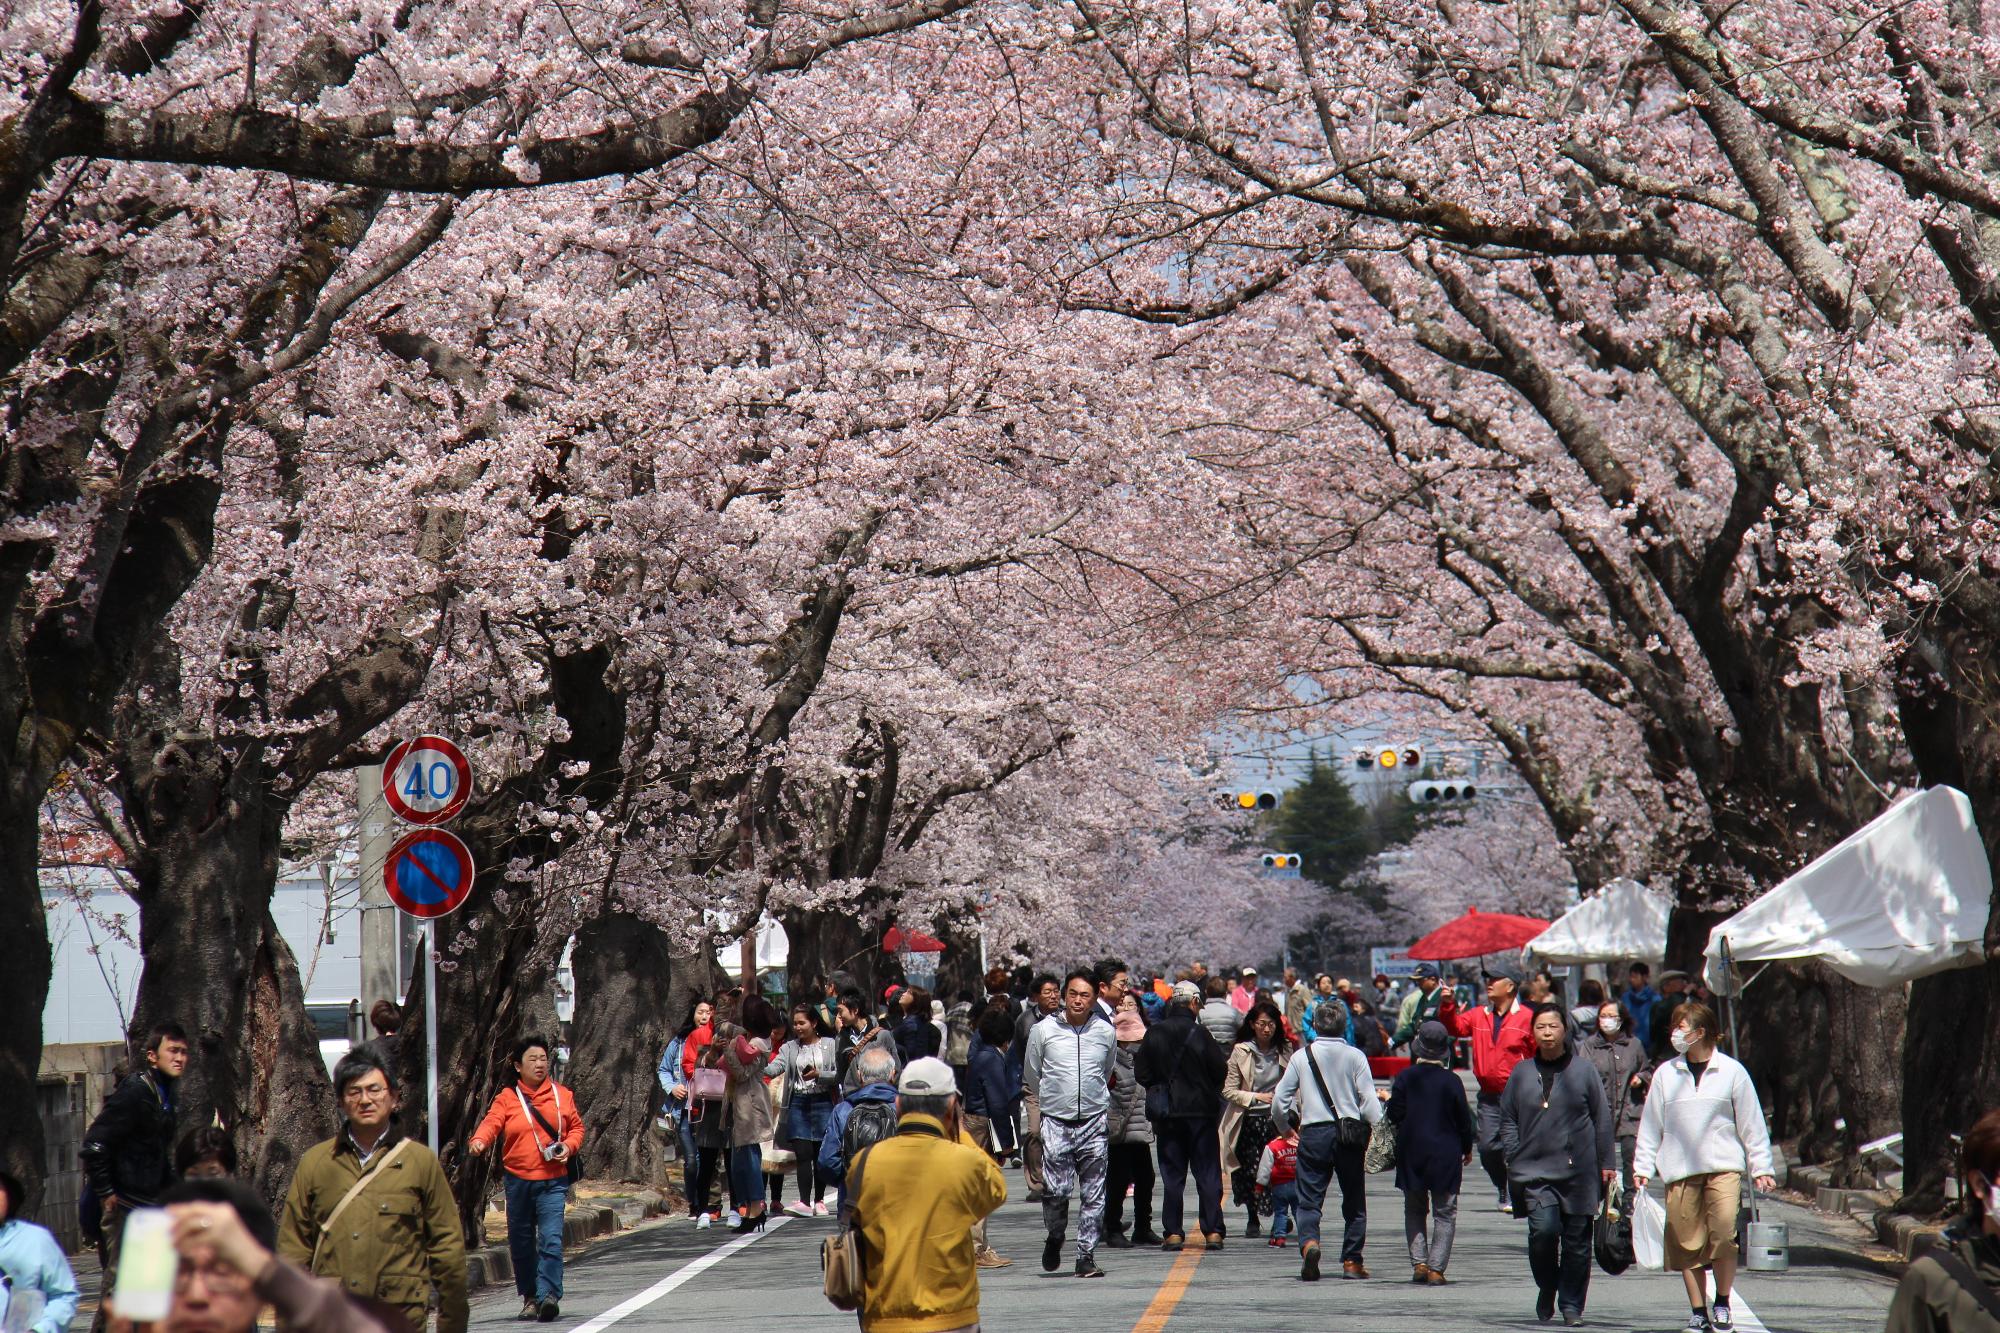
(1639, 1003)
(832, 1158)
(671, 1077)
(990, 1091)
(34, 1264)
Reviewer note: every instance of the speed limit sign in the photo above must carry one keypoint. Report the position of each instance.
(426, 780)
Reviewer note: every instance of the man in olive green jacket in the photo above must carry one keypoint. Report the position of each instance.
(373, 1210)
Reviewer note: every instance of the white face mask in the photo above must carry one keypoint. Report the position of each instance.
(1681, 1040)
(1609, 1026)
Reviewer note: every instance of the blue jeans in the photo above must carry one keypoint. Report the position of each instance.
(535, 1235)
(1284, 1201)
(690, 1161)
(1322, 1160)
(746, 1175)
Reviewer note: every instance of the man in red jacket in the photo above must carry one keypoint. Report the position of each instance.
(1502, 1036)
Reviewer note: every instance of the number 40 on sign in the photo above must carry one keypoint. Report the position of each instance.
(426, 780)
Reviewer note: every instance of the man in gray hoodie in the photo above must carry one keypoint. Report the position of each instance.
(1070, 1059)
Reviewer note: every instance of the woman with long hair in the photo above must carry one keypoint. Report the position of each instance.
(680, 1108)
(741, 1050)
(806, 1063)
(1609, 1045)
(915, 1035)
(1256, 1063)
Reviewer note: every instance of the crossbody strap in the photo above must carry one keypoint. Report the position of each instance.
(347, 1198)
(554, 1132)
(1961, 1272)
(1312, 1062)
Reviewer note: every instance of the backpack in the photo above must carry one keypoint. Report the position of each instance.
(868, 1122)
(958, 1050)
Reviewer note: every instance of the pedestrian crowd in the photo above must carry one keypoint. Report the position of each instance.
(894, 1116)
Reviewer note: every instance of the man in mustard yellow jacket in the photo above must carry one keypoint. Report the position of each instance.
(922, 1183)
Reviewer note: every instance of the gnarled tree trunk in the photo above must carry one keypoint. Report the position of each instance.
(626, 1008)
(24, 981)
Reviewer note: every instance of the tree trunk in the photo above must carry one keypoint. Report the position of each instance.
(629, 997)
(214, 962)
(823, 943)
(24, 984)
(1951, 1075)
(1865, 1032)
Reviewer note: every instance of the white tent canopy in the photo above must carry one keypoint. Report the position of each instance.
(1623, 920)
(1903, 897)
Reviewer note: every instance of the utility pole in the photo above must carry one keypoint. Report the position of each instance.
(381, 925)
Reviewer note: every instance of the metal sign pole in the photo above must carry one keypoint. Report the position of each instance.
(1729, 991)
(431, 1032)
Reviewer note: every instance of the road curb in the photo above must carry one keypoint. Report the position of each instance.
(493, 1266)
(1906, 1235)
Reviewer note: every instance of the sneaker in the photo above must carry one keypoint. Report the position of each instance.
(529, 1308)
(1697, 1322)
(1309, 1262)
(732, 1220)
(821, 1210)
(799, 1208)
(1573, 1318)
(1052, 1252)
(1276, 1242)
(1719, 1317)
(703, 1222)
(1086, 1266)
(1545, 1306)
(991, 1259)
(549, 1310)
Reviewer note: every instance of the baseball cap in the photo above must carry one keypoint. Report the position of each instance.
(927, 1076)
(1503, 972)
(1249, 971)
(1185, 991)
(1427, 970)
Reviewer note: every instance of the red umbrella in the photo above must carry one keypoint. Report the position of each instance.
(1475, 934)
(915, 941)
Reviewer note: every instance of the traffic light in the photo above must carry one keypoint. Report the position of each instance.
(1390, 757)
(1256, 800)
(1448, 791)
(1282, 861)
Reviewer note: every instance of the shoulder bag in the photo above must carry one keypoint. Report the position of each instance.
(1351, 1131)
(326, 1227)
(840, 1259)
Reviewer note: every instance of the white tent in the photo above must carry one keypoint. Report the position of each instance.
(1622, 920)
(1903, 897)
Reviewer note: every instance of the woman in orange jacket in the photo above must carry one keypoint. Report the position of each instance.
(536, 1122)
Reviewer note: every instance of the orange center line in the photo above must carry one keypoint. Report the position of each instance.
(1171, 1290)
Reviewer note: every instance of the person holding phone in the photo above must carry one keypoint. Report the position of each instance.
(810, 1069)
(537, 1120)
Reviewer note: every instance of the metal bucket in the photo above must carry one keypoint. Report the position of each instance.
(1767, 1247)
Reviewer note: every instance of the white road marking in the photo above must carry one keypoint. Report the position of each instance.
(686, 1273)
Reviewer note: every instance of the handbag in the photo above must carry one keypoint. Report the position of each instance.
(1611, 1237)
(1350, 1131)
(710, 1083)
(840, 1259)
(1384, 1147)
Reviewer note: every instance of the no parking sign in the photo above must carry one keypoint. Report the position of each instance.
(428, 873)
(426, 780)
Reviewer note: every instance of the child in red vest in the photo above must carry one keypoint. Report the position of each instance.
(1277, 1176)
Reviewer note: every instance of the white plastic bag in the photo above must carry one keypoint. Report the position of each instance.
(1649, 1231)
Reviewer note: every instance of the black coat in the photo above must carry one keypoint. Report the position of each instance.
(1180, 1057)
(916, 1038)
(129, 1149)
(1427, 1102)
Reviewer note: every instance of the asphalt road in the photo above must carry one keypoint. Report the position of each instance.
(671, 1276)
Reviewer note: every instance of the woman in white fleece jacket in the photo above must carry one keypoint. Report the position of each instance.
(1702, 1131)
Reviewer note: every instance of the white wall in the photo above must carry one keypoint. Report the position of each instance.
(91, 994)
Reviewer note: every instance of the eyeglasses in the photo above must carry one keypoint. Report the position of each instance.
(219, 1278)
(366, 1093)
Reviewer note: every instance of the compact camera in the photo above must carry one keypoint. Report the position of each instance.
(551, 1151)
